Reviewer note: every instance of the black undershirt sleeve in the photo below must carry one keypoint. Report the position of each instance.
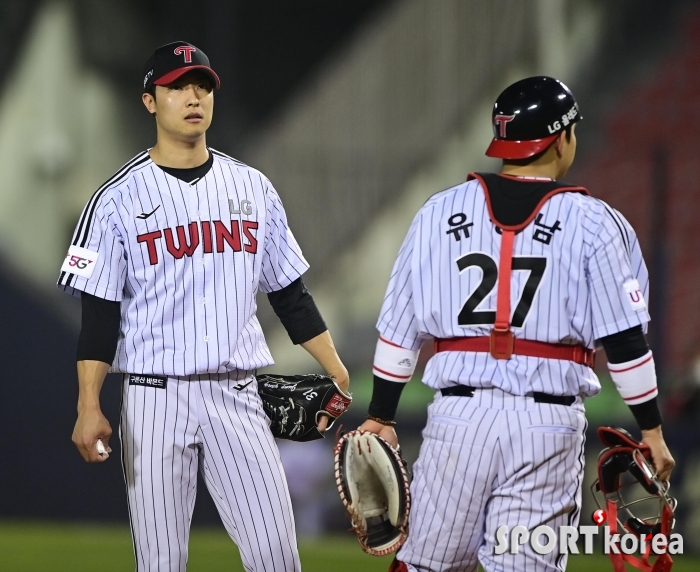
(385, 398)
(100, 329)
(296, 309)
(626, 346)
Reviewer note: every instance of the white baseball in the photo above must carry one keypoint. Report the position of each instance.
(101, 448)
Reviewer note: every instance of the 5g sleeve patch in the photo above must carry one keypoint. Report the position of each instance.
(634, 295)
(80, 261)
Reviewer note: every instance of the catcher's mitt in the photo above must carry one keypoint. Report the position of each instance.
(374, 486)
(294, 404)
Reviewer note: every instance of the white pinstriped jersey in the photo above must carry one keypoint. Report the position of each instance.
(577, 276)
(185, 261)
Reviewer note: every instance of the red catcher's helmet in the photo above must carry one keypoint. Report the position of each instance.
(624, 455)
(529, 115)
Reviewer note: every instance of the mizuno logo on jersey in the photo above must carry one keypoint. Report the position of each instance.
(208, 234)
(144, 216)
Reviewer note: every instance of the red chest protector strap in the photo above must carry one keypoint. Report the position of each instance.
(502, 339)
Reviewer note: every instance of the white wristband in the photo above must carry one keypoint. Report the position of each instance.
(635, 379)
(393, 362)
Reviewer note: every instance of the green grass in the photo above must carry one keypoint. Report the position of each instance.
(40, 547)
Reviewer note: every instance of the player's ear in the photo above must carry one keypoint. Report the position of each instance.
(560, 143)
(150, 102)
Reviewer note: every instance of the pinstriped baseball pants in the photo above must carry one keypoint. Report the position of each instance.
(490, 460)
(203, 423)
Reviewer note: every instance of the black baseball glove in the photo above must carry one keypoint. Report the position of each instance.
(294, 404)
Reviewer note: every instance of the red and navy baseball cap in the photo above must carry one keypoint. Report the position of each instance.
(529, 115)
(171, 61)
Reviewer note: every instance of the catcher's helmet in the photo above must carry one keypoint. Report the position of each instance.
(528, 116)
(626, 455)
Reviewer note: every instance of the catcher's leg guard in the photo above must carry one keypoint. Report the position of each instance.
(397, 566)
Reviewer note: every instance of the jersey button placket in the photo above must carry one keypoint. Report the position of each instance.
(198, 270)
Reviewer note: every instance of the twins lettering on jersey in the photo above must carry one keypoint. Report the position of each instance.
(208, 234)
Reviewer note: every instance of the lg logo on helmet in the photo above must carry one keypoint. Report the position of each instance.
(187, 50)
(567, 118)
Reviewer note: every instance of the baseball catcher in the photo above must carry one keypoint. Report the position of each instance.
(517, 277)
(295, 404)
(374, 486)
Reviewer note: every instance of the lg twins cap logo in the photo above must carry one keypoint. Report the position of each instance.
(80, 261)
(634, 295)
(145, 78)
(187, 50)
(502, 121)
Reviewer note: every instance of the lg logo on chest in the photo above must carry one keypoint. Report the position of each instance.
(238, 236)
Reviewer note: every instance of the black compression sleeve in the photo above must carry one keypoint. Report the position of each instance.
(385, 398)
(626, 345)
(100, 329)
(296, 309)
(647, 414)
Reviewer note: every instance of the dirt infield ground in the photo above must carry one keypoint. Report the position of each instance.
(42, 547)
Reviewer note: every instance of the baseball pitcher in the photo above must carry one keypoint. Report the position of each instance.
(167, 258)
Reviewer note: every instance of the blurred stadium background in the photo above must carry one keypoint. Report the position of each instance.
(357, 111)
